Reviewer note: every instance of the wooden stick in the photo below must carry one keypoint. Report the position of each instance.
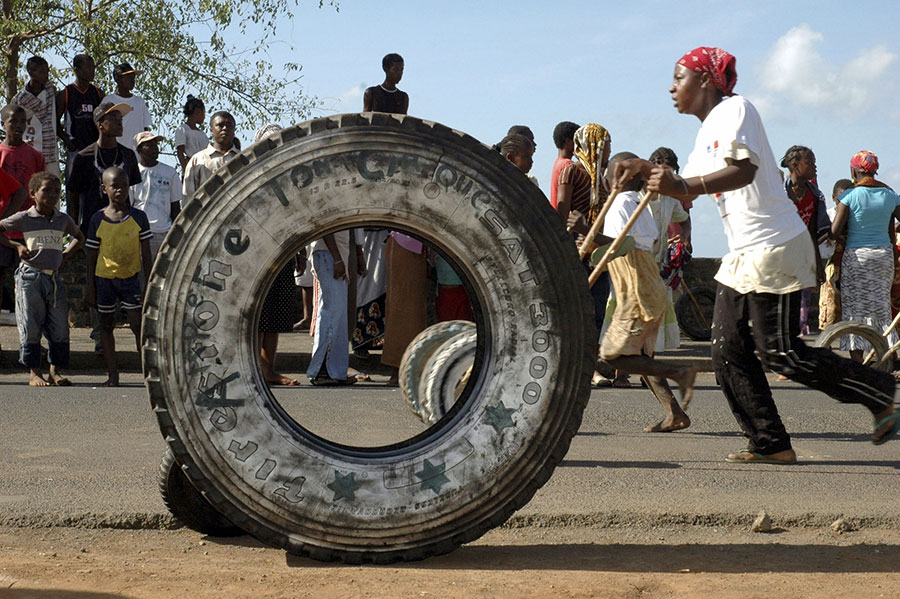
(696, 303)
(598, 225)
(598, 269)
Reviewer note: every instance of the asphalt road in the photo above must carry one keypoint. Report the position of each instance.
(87, 455)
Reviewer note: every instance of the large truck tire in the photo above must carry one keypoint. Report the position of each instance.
(454, 481)
(418, 352)
(187, 504)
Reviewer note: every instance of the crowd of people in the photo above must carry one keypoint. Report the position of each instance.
(783, 239)
(120, 202)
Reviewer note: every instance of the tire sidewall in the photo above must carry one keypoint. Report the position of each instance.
(291, 488)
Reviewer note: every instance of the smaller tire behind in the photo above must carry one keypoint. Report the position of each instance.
(445, 375)
(831, 337)
(418, 352)
(695, 323)
(187, 504)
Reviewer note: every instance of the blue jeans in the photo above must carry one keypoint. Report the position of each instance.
(331, 342)
(41, 309)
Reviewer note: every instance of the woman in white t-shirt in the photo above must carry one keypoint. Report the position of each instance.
(770, 259)
(189, 139)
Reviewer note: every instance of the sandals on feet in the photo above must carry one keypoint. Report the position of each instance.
(600, 381)
(745, 456)
(622, 383)
(894, 420)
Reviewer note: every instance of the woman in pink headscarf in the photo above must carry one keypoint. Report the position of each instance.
(770, 260)
(867, 268)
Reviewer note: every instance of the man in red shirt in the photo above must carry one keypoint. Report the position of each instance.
(19, 161)
(564, 140)
(18, 158)
(12, 196)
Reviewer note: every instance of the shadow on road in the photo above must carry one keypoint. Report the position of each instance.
(730, 558)
(841, 436)
(751, 558)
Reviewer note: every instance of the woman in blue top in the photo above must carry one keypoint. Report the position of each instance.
(867, 268)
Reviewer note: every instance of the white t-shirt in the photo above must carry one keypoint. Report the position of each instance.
(193, 140)
(160, 187)
(135, 121)
(623, 206)
(770, 250)
(665, 210)
(759, 214)
(342, 240)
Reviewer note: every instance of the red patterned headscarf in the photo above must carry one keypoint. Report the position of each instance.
(865, 162)
(715, 61)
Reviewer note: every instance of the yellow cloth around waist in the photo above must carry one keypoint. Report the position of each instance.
(640, 291)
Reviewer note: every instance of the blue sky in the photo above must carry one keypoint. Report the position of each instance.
(823, 74)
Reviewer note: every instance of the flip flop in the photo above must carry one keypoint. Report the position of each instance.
(280, 382)
(757, 458)
(895, 417)
(622, 383)
(359, 375)
(600, 381)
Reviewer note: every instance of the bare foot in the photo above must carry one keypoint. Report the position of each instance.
(686, 386)
(37, 381)
(110, 382)
(282, 381)
(675, 423)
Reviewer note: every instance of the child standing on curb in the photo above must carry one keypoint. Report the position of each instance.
(118, 244)
(41, 307)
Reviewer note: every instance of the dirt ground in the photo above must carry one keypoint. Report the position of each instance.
(67, 563)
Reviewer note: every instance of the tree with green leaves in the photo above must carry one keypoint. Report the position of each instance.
(183, 47)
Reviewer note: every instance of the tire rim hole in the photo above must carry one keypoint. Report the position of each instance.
(403, 418)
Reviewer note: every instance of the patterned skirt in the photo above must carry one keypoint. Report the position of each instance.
(866, 276)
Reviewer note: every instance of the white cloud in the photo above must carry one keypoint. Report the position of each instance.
(797, 74)
(349, 100)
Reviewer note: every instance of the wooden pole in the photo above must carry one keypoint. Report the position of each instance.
(598, 269)
(696, 303)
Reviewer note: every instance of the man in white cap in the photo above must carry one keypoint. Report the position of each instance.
(139, 118)
(159, 192)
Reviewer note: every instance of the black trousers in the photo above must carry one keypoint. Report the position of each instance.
(755, 332)
(600, 294)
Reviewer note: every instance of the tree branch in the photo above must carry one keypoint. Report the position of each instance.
(49, 30)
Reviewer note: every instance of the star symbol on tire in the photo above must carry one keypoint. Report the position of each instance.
(344, 486)
(432, 477)
(499, 416)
